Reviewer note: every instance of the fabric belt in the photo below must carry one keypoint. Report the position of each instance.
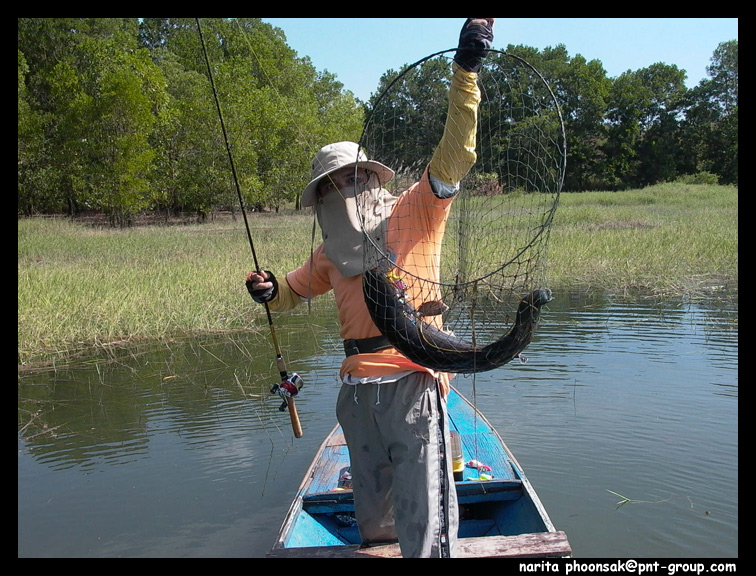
(366, 345)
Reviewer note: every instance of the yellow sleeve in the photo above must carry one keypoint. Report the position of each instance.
(455, 154)
(285, 299)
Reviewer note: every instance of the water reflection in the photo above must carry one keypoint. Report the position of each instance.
(180, 450)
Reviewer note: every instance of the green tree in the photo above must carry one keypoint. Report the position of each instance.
(32, 167)
(723, 145)
(99, 95)
(582, 90)
(660, 143)
(709, 141)
(643, 111)
(131, 95)
(190, 169)
(68, 131)
(519, 116)
(45, 45)
(107, 101)
(723, 71)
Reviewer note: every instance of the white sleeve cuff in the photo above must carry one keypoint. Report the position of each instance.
(442, 189)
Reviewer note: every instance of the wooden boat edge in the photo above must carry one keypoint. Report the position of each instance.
(297, 503)
(535, 545)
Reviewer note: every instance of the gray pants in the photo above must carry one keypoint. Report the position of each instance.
(403, 482)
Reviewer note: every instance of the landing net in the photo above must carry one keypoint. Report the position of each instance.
(476, 306)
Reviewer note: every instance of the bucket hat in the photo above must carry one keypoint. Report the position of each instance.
(336, 156)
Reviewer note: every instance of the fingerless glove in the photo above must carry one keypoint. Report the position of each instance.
(474, 41)
(264, 296)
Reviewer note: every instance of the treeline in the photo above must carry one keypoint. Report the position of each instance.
(117, 115)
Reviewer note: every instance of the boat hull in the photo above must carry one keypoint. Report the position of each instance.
(499, 517)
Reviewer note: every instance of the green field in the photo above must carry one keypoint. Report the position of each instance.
(82, 286)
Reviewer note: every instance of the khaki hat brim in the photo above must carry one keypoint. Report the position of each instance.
(310, 194)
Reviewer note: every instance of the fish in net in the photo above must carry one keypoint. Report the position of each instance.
(462, 293)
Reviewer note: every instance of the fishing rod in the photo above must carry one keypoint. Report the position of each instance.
(290, 384)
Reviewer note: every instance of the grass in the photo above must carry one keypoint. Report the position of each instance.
(665, 239)
(82, 287)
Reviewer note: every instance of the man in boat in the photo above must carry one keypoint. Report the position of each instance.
(392, 411)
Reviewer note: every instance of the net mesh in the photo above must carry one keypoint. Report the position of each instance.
(458, 285)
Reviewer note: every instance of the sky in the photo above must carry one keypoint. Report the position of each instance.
(360, 50)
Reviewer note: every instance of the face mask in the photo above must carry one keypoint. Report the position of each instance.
(346, 216)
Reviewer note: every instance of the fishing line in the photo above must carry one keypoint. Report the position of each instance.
(289, 384)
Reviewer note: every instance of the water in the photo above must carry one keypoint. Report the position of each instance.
(179, 450)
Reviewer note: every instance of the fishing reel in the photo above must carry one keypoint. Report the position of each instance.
(288, 388)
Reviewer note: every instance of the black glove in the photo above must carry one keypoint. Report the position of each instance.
(263, 296)
(474, 41)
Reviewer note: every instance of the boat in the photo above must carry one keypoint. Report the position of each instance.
(500, 513)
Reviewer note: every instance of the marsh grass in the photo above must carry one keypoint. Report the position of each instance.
(662, 240)
(82, 287)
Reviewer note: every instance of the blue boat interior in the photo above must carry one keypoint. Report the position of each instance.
(492, 505)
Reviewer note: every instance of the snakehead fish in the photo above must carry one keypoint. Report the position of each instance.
(433, 348)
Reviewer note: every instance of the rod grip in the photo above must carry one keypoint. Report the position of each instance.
(295, 425)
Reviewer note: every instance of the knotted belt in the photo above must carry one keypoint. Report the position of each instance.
(365, 345)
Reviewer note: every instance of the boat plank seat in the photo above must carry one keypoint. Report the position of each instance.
(536, 545)
(467, 493)
(329, 502)
(493, 490)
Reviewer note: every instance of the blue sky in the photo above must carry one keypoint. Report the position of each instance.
(359, 50)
